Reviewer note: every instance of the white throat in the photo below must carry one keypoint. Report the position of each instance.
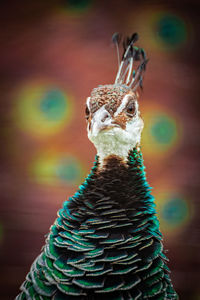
(117, 141)
(109, 143)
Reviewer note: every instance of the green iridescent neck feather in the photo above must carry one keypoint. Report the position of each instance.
(105, 242)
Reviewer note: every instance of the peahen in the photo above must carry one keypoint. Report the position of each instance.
(105, 242)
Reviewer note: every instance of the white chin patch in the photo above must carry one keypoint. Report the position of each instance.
(117, 141)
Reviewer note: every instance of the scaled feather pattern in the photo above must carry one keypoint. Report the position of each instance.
(105, 242)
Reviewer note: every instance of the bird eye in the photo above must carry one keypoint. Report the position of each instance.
(87, 112)
(130, 109)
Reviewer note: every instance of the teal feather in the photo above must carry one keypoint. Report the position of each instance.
(105, 270)
(70, 289)
(94, 253)
(125, 270)
(105, 242)
(111, 285)
(89, 283)
(131, 282)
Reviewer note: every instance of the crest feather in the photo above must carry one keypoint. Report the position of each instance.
(132, 55)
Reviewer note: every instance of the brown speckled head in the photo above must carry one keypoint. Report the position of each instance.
(109, 95)
(114, 124)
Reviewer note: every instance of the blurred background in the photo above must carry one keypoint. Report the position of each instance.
(52, 54)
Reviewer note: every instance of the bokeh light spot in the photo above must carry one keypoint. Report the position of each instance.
(162, 131)
(42, 109)
(69, 170)
(57, 168)
(174, 210)
(78, 6)
(163, 30)
(53, 105)
(171, 30)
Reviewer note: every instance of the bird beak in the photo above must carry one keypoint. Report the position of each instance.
(100, 120)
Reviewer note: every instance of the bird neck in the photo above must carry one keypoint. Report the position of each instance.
(122, 183)
(125, 180)
(116, 198)
(107, 151)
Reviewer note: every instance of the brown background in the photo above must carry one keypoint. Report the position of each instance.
(52, 54)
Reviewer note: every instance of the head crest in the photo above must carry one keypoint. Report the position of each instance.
(132, 55)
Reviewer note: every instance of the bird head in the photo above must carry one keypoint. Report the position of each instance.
(114, 123)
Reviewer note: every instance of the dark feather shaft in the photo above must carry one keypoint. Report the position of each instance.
(131, 54)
